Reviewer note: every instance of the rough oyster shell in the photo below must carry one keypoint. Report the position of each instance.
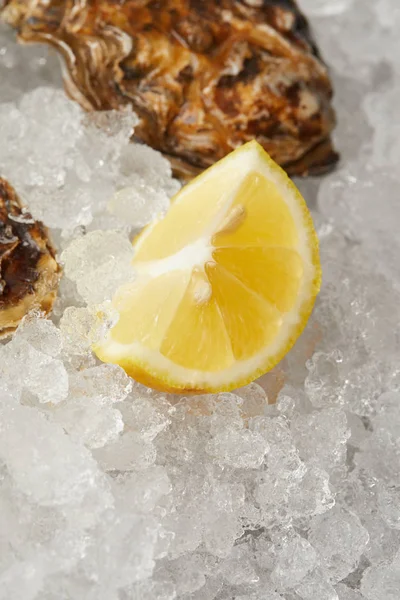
(203, 76)
(29, 273)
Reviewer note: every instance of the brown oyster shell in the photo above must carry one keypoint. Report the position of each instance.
(29, 273)
(203, 76)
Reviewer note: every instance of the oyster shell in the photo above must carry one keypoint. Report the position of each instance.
(29, 273)
(203, 76)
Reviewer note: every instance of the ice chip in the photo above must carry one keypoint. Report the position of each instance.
(314, 586)
(295, 559)
(88, 422)
(340, 539)
(139, 204)
(99, 263)
(382, 581)
(129, 451)
(44, 475)
(41, 334)
(346, 593)
(326, 447)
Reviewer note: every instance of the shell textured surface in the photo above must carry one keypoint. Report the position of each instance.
(29, 272)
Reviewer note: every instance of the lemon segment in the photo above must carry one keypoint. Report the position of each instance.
(225, 281)
(147, 308)
(251, 322)
(186, 221)
(198, 317)
(273, 273)
(265, 219)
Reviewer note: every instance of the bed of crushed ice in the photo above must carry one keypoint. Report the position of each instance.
(110, 491)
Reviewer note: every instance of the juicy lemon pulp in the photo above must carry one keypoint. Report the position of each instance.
(225, 282)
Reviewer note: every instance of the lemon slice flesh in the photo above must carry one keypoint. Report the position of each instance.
(225, 281)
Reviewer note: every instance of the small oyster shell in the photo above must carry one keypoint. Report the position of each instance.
(203, 76)
(29, 272)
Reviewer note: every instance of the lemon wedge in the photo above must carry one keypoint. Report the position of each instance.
(225, 281)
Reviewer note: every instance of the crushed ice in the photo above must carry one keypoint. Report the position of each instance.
(111, 491)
